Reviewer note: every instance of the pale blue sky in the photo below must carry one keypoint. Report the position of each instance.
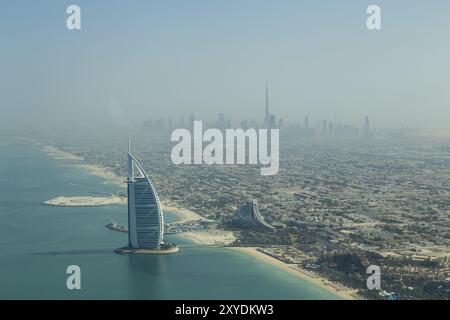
(155, 58)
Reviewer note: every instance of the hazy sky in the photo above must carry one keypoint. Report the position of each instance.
(152, 58)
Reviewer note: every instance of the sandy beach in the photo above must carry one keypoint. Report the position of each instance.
(341, 291)
(78, 162)
(211, 237)
(58, 154)
(102, 172)
(184, 215)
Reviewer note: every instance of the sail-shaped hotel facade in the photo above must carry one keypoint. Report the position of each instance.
(145, 215)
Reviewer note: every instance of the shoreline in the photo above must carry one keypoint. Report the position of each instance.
(102, 172)
(183, 214)
(213, 237)
(339, 290)
(59, 154)
(80, 163)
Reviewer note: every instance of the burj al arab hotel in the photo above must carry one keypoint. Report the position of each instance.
(145, 215)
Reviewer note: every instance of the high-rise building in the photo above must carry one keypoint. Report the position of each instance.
(244, 124)
(366, 128)
(272, 122)
(267, 114)
(221, 123)
(145, 215)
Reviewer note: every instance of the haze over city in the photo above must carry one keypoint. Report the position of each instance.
(158, 59)
(217, 149)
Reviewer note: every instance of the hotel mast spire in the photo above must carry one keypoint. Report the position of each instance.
(130, 162)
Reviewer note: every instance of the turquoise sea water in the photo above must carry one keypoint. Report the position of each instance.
(38, 242)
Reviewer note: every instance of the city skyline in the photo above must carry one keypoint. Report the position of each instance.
(167, 59)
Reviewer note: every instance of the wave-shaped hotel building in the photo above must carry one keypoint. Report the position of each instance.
(145, 215)
(249, 216)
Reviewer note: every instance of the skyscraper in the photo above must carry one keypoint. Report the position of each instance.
(306, 123)
(366, 128)
(272, 122)
(221, 123)
(267, 115)
(145, 215)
